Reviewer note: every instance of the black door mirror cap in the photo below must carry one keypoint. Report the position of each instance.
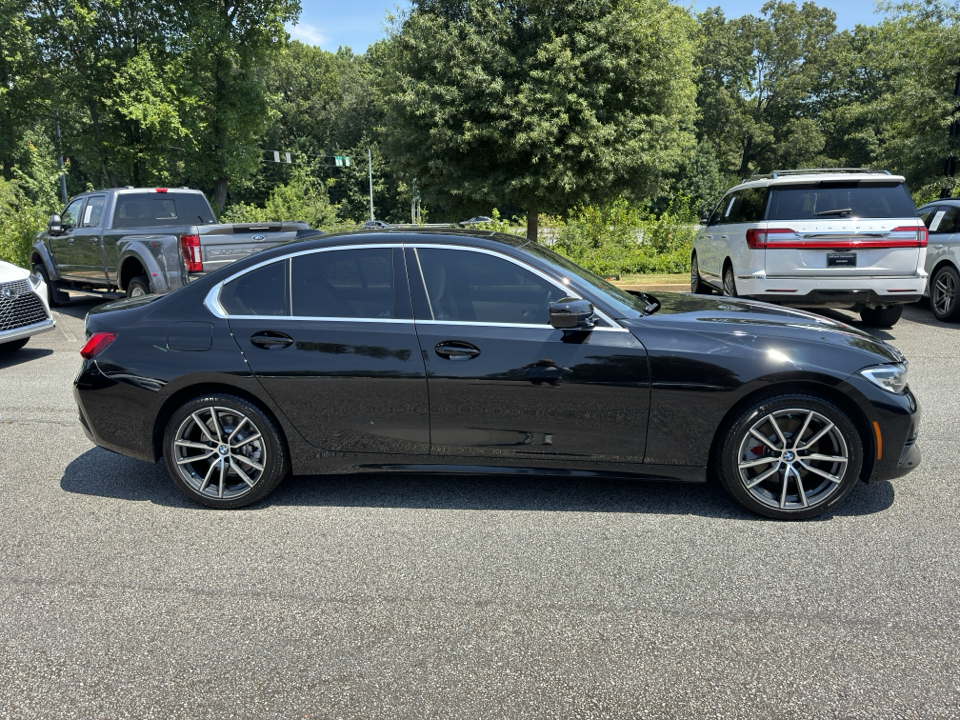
(54, 226)
(572, 314)
(705, 220)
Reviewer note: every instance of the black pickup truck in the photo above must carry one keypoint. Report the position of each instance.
(136, 241)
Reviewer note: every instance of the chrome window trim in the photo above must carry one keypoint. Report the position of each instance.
(212, 299)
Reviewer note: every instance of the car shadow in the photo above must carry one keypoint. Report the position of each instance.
(18, 357)
(101, 473)
(79, 305)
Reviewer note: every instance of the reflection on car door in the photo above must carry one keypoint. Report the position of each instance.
(330, 336)
(505, 384)
(943, 222)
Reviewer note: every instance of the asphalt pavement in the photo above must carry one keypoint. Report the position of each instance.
(389, 596)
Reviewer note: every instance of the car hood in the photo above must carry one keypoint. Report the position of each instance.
(747, 321)
(10, 273)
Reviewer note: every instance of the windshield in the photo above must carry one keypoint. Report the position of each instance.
(626, 305)
(829, 200)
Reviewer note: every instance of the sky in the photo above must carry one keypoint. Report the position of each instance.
(359, 23)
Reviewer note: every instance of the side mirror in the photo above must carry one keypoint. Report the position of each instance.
(54, 226)
(572, 314)
(705, 219)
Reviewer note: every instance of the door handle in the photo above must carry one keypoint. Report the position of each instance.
(271, 340)
(456, 350)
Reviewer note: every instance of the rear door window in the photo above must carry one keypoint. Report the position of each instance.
(353, 283)
(841, 199)
(153, 209)
(943, 220)
(262, 291)
(93, 212)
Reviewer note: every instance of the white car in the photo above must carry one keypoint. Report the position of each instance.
(841, 238)
(24, 310)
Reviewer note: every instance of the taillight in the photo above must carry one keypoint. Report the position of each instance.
(190, 247)
(97, 343)
(161, 189)
(758, 239)
(921, 232)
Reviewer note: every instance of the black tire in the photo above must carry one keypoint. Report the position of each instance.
(791, 490)
(13, 345)
(881, 317)
(729, 281)
(945, 294)
(222, 478)
(138, 286)
(697, 285)
(54, 296)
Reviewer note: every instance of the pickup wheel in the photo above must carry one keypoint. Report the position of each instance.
(138, 286)
(54, 296)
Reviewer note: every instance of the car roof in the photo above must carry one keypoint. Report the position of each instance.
(816, 177)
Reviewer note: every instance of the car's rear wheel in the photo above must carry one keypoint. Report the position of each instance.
(697, 285)
(789, 456)
(729, 282)
(224, 452)
(945, 294)
(881, 317)
(13, 345)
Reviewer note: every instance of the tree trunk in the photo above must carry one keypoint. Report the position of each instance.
(95, 120)
(532, 227)
(746, 157)
(220, 194)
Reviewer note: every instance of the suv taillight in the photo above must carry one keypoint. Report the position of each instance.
(758, 239)
(190, 247)
(97, 343)
(921, 232)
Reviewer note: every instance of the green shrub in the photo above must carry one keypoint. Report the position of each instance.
(303, 199)
(26, 202)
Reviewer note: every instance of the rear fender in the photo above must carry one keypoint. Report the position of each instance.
(149, 253)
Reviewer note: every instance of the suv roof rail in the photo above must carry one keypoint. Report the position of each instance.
(809, 171)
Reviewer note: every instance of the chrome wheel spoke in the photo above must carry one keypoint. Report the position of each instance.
(191, 444)
(806, 424)
(195, 458)
(203, 427)
(800, 492)
(776, 427)
(819, 434)
(825, 458)
(223, 476)
(206, 479)
(818, 471)
(255, 436)
(241, 473)
(783, 489)
(764, 440)
(758, 461)
(249, 462)
(236, 430)
(216, 424)
(762, 476)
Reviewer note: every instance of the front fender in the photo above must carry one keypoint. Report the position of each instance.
(40, 249)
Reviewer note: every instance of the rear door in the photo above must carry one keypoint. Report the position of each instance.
(842, 229)
(943, 223)
(330, 336)
(87, 255)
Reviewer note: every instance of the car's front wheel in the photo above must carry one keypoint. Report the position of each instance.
(224, 452)
(789, 456)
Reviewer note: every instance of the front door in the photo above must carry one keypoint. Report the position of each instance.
(63, 246)
(504, 383)
(330, 336)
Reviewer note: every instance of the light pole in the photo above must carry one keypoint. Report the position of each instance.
(370, 176)
(63, 176)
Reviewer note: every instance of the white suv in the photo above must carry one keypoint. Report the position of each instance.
(842, 238)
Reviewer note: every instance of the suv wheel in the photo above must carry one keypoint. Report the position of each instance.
(789, 456)
(944, 287)
(729, 282)
(881, 317)
(138, 287)
(224, 452)
(697, 285)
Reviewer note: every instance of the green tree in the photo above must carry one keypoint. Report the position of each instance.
(539, 104)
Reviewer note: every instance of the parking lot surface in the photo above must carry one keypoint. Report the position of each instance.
(381, 596)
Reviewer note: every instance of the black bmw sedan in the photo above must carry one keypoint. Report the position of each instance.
(466, 351)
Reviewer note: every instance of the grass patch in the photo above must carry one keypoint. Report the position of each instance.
(655, 279)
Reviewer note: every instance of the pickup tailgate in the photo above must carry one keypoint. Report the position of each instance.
(223, 244)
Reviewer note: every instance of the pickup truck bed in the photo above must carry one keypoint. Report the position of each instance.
(133, 241)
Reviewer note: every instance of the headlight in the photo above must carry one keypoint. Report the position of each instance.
(892, 378)
(35, 280)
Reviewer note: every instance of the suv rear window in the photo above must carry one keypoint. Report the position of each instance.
(161, 209)
(815, 201)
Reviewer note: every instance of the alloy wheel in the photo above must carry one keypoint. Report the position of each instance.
(793, 459)
(944, 294)
(219, 452)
